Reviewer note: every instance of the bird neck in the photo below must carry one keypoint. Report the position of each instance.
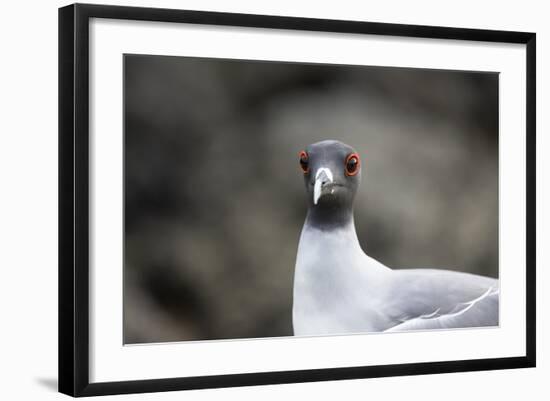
(330, 217)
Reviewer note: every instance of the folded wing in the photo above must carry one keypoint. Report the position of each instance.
(430, 300)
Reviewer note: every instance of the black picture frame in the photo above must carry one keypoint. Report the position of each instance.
(74, 198)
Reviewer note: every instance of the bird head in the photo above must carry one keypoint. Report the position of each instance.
(332, 173)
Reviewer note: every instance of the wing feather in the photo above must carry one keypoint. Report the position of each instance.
(478, 312)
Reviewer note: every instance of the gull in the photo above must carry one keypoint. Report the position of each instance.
(339, 289)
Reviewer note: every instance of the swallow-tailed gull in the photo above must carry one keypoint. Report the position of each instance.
(340, 289)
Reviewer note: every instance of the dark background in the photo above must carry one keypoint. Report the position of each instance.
(214, 198)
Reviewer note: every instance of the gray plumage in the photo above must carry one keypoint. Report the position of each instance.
(340, 289)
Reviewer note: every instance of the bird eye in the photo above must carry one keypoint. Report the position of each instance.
(304, 162)
(352, 164)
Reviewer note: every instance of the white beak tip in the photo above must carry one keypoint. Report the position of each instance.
(318, 186)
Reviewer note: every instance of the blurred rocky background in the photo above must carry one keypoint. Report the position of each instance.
(214, 198)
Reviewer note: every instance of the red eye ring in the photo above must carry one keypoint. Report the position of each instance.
(304, 161)
(352, 164)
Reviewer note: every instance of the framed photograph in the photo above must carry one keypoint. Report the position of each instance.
(252, 199)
